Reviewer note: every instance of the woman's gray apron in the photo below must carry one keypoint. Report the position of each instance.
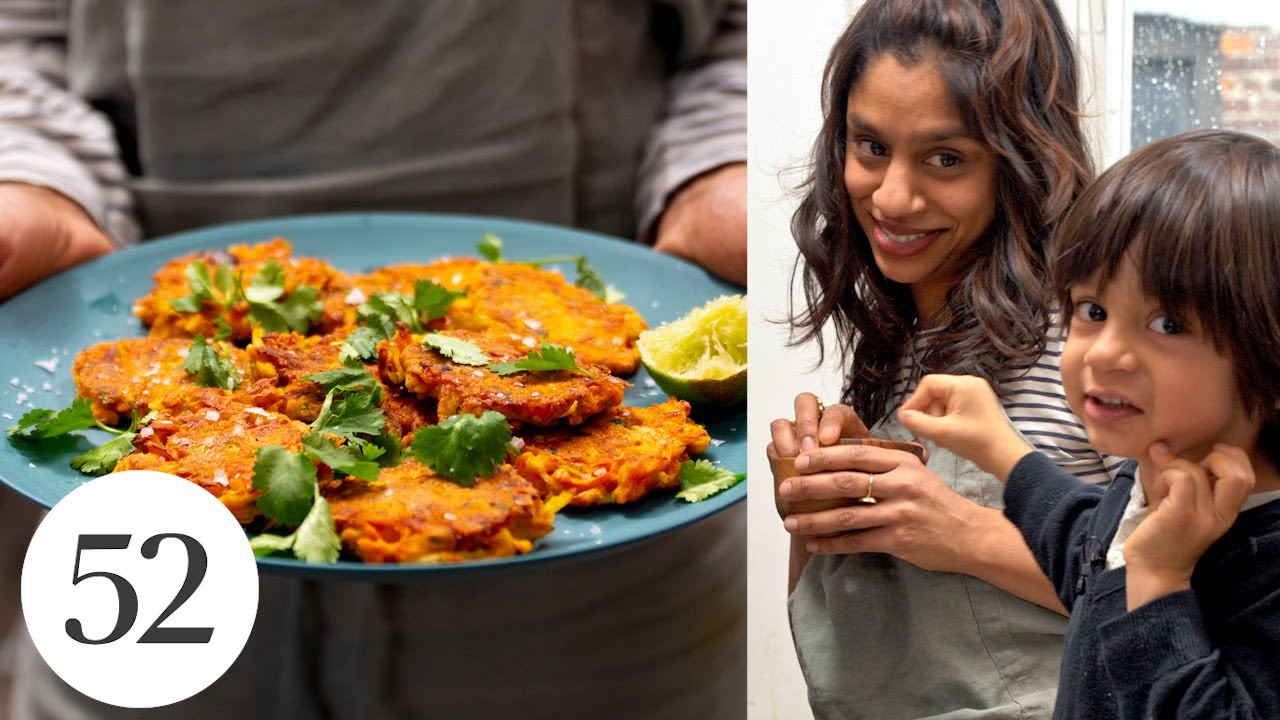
(879, 638)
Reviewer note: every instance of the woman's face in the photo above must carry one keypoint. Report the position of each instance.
(922, 189)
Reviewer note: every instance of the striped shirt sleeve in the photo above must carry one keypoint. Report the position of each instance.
(705, 125)
(48, 137)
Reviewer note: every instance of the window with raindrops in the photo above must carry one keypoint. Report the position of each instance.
(1199, 64)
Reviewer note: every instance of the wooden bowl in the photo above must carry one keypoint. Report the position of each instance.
(785, 467)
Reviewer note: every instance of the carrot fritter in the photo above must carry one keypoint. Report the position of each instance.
(530, 305)
(287, 358)
(450, 273)
(406, 412)
(130, 374)
(156, 312)
(284, 360)
(537, 398)
(209, 437)
(617, 457)
(413, 515)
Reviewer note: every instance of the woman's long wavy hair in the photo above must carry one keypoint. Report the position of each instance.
(1010, 67)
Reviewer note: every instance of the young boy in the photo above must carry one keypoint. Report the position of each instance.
(1168, 268)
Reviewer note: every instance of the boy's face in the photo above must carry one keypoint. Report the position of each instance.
(1134, 375)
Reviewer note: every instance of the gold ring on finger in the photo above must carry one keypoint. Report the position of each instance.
(869, 499)
(821, 408)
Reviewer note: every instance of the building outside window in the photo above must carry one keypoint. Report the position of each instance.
(1196, 65)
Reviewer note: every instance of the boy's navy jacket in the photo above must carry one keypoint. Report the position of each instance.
(1209, 652)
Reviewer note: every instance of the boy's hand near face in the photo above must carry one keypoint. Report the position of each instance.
(1192, 506)
(963, 414)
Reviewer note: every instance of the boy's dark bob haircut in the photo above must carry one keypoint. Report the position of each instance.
(1199, 213)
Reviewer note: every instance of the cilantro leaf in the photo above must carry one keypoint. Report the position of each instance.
(699, 480)
(287, 482)
(432, 301)
(354, 413)
(346, 379)
(224, 329)
(187, 303)
(268, 285)
(460, 351)
(464, 447)
(589, 278)
(31, 419)
(268, 544)
(197, 275)
(316, 539)
(490, 248)
(429, 301)
(322, 449)
(227, 283)
(362, 344)
(382, 311)
(40, 424)
(395, 307)
(386, 449)
(102, 459)
(295, 312)
(221, 288)
(210, 368)
(546, 358)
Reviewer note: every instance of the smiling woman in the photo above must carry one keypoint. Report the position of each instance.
(949, 147)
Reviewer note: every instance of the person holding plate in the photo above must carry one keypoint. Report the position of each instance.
(121, 121)
(950, 147)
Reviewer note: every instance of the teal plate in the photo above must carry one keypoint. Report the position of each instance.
(43, 328)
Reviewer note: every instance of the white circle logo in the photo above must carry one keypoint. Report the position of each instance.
(139, 589)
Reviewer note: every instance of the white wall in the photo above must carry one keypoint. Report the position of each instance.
(789, 42)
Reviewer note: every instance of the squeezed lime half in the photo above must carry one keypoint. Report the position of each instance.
(702, 357)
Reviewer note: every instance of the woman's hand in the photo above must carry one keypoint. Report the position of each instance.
(963, 414)
(1193, 505)
(915, 517)
(813, 427)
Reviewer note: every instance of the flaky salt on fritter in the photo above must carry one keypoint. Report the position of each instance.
(532, 306)
(617, 457)
(171, 283)
(536, 398)
(209, 437)
(412, 515)
(130, 374)
(285, 360)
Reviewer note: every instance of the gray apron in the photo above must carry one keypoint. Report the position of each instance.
(879, 638)
(18, 519)
(653, 629)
